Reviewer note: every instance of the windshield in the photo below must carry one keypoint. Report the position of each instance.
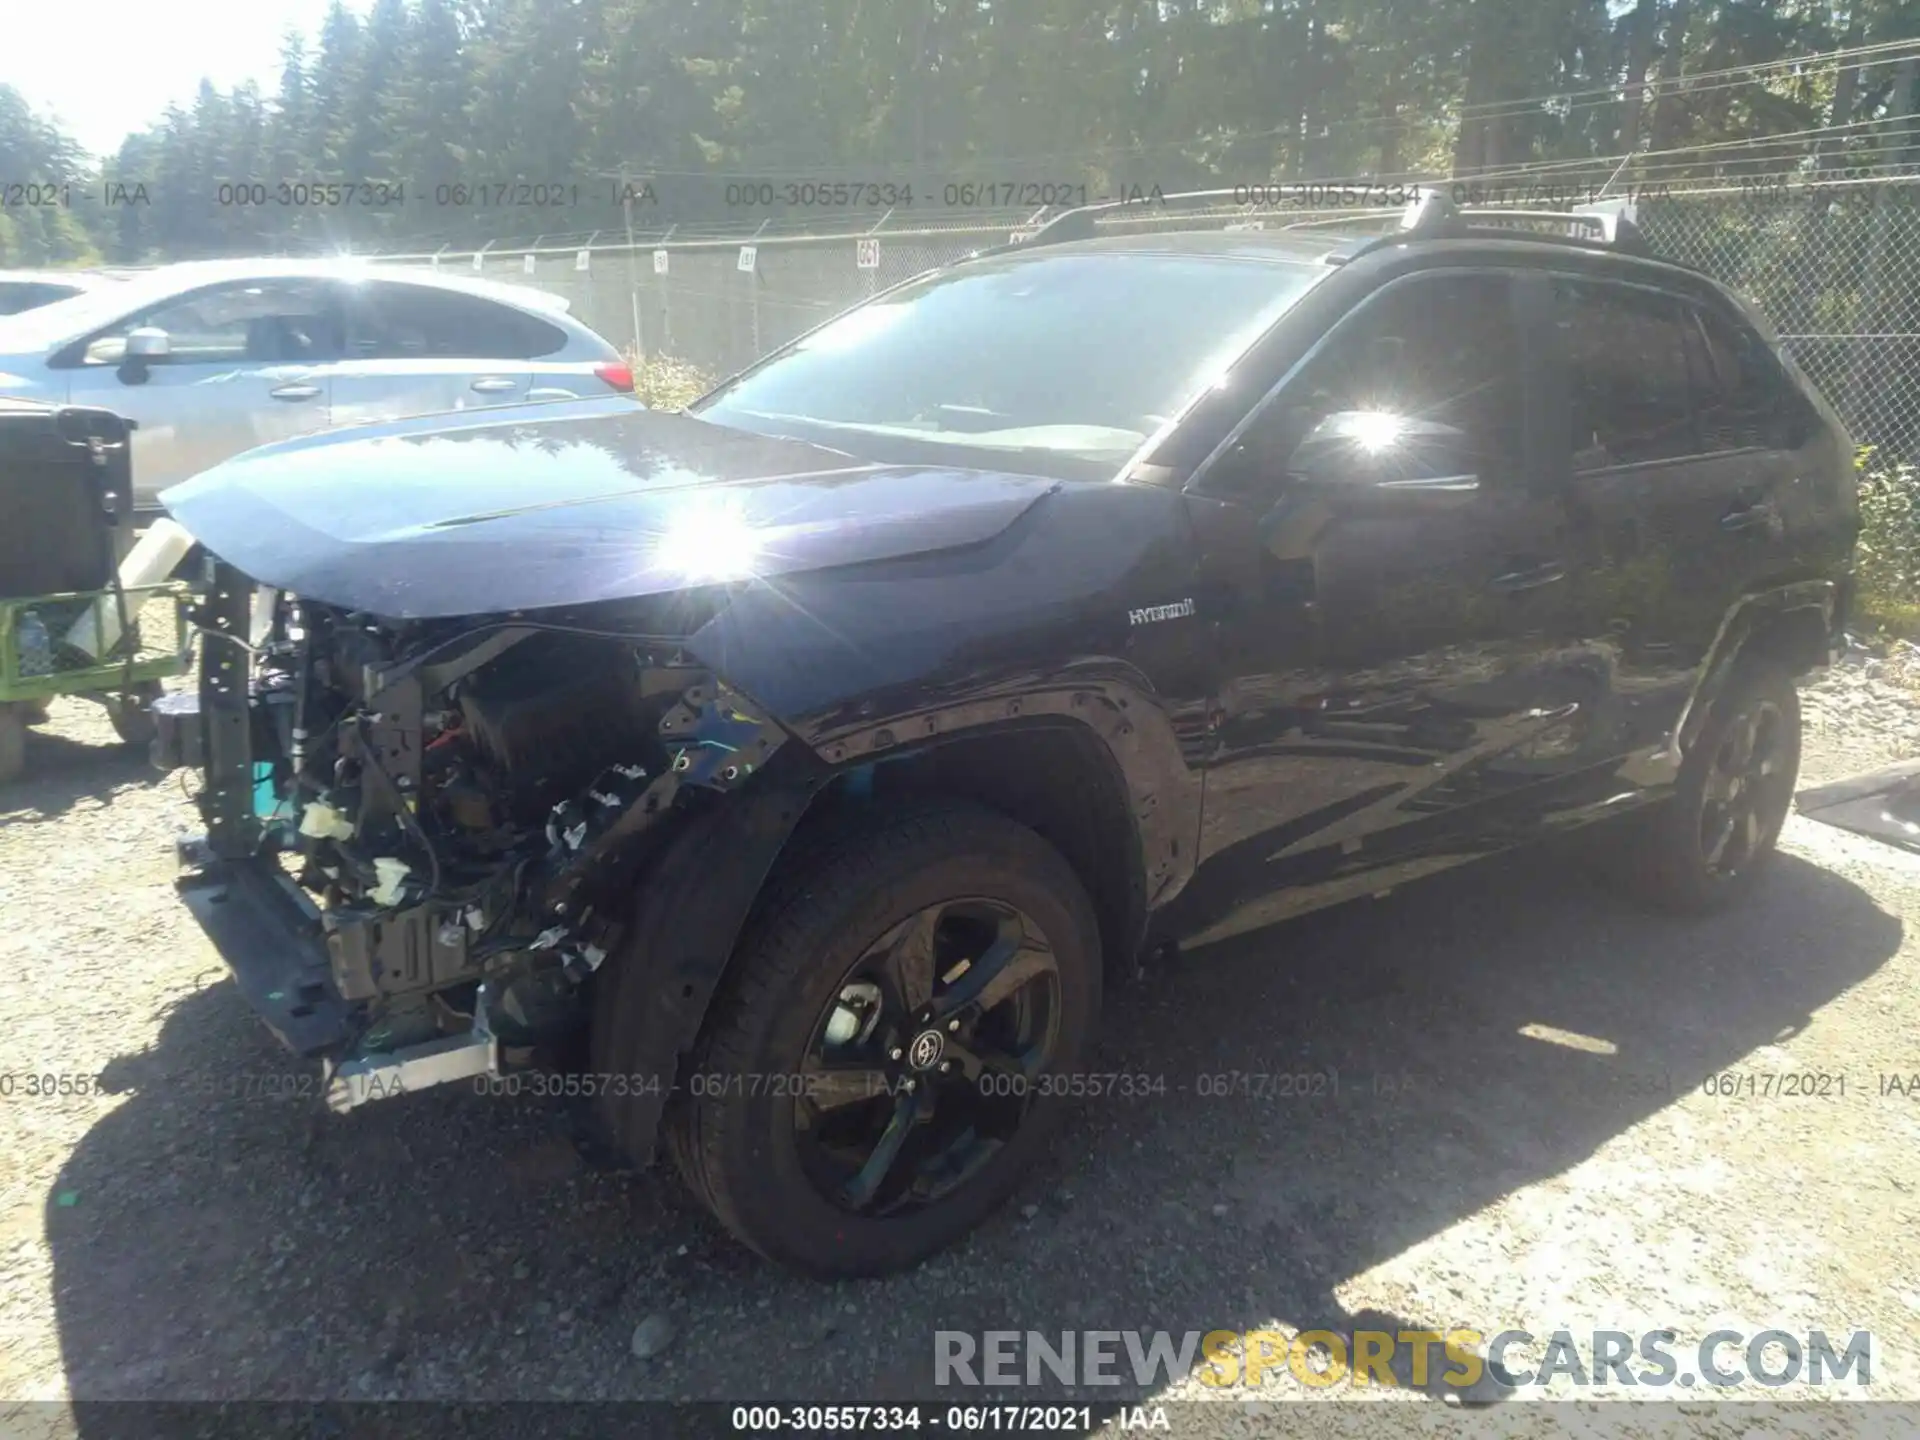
(1079, 357)
(64, 320)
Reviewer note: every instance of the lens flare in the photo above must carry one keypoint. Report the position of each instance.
(1376, 430)
(709, 541)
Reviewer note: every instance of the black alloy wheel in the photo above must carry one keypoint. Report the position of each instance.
(1748, 788)
(1703, 848)
(925, 1063)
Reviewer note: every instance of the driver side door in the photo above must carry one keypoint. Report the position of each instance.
(246, 364)
(1401, 679)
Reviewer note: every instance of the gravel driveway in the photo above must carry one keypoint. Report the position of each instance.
(1520, 1139)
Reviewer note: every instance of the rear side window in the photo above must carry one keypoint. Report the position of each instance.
(1743, 399)
(1627, 378)
(419, 322)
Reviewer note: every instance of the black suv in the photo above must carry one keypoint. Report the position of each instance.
(789, 775)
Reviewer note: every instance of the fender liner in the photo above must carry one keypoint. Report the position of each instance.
(692, 905)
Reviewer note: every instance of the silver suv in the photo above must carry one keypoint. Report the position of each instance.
(213, 358)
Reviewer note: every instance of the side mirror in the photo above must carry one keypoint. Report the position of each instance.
(138, 351)
(149, 342)
(1374, 457)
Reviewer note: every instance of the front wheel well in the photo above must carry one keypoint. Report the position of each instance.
(1055, 779)
(1796, 640)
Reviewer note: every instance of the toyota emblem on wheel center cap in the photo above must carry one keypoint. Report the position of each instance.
(924, 1052)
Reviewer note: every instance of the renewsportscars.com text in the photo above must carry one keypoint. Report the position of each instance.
(1459, 1357)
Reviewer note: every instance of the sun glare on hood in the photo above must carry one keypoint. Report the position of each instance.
(709, 541)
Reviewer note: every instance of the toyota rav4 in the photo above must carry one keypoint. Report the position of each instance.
(790, 774)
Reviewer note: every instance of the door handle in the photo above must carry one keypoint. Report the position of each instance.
(1749, 517)
(1531, 578)
(296, 391)
(494, 385)
(1557, 712)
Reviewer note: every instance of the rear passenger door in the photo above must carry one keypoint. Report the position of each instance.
(1655, 504)
(423, 349)
(1755, 421)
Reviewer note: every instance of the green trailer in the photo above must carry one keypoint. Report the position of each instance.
(72, 619)
(152, 643)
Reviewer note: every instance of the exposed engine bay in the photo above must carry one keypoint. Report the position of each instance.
(461, 805)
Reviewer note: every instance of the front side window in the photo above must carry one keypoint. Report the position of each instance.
(1629, 387)
(1440, 347)
(1069, 362)
(264, 322)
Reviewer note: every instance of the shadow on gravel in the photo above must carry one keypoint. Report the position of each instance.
(220, 1236)
(60, 773)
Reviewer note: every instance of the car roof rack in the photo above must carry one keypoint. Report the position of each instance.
(1078, 223)
(1430, 215)
(1433, 216)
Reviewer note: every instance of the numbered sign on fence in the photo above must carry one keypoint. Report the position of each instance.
(526, 264)
(582, 260)
(748, 254)
(478, 257)
(866, 254)
(659, 262)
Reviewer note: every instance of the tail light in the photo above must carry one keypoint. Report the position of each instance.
(618, 377)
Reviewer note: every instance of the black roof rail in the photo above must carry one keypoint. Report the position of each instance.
(1433, 216)
(1078, 223)
(1430, 215)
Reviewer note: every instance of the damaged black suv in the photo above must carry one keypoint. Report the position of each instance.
(791, 774)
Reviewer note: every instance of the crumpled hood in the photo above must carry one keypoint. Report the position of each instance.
(570, 503)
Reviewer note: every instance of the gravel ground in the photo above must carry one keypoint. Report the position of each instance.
(191, 1232)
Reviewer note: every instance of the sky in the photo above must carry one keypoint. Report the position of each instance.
(103, 68)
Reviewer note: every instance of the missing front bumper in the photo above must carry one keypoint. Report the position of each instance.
(269, 934)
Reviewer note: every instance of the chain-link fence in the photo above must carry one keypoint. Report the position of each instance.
(1835, 267)
(1837, 271)
(719, 302)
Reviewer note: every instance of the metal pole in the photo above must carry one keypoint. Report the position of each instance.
(1861, 412)
(592, 310)
(633, 290)
(873, 275)
(753, 289)
(666, 297)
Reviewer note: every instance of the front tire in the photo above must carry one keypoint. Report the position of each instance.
(872, 1081)
(1703, 850)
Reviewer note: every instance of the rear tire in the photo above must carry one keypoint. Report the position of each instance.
(781, 1132)
(1703, 849)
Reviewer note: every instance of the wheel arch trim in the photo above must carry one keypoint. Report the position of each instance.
(1748, 621)
(1111, 703)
